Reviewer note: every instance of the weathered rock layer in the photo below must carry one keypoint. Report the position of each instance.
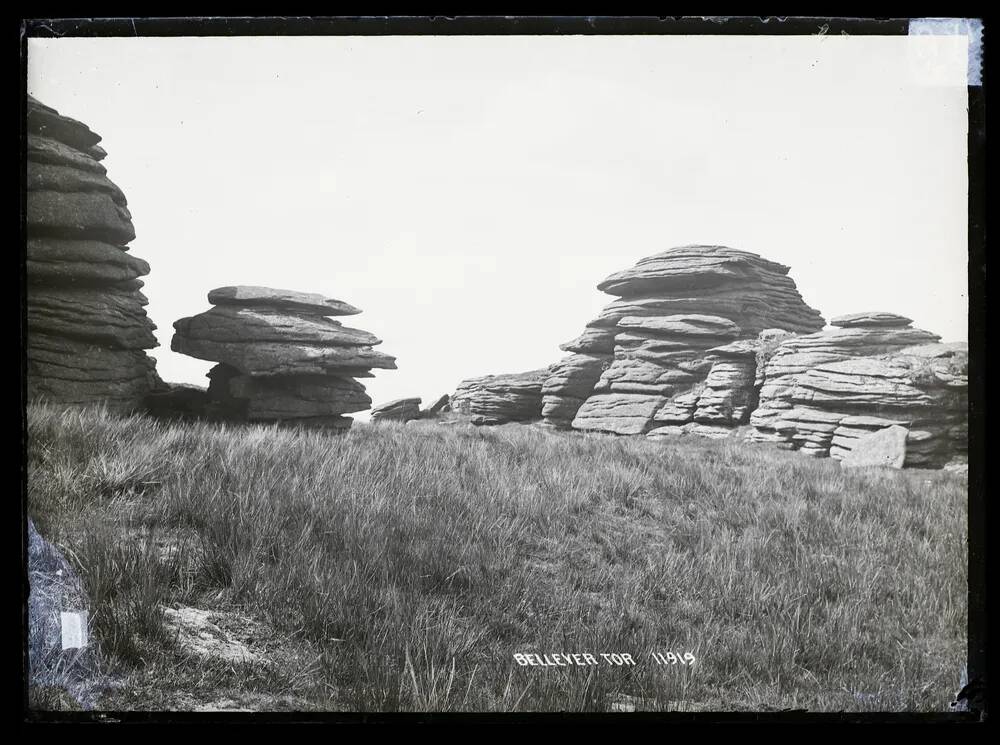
(87, 324)
(282, 358)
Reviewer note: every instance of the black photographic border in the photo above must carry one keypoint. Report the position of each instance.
(559, 25)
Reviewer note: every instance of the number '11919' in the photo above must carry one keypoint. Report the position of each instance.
(671, 658)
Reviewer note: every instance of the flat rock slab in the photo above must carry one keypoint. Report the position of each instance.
(402, 409)
(247, 296)
(886, 447)
(871, 318)
(683, 325)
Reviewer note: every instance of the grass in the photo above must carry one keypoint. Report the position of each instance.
(401, 568)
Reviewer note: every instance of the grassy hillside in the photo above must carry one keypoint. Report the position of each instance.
(403, 567)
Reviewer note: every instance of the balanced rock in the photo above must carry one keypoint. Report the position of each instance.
(496, 399)
(87, 324)
(282, 358)
(681, 342)
(400, 410)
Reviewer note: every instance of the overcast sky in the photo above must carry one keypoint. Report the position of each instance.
(468, 193)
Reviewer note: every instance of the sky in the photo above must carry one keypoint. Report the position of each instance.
(468, 193)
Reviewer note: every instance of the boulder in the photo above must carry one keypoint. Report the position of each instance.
(400, 410)
(86, 318)
(620, 414)
(884, 447)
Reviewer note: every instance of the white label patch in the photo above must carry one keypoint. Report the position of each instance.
(933, 57)
(74, 630)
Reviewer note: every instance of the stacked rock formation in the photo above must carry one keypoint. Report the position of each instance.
(497, 399)
(823, 393)
(400, 410)
(282, 357)
(678, 316)
(87, 326)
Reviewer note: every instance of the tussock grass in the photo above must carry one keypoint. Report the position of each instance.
(401, 568)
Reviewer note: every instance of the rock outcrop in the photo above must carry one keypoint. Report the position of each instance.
(496, 399)
(824, 393)
(679, 345)
(282, 358)
(400, 410)
(87, 325)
